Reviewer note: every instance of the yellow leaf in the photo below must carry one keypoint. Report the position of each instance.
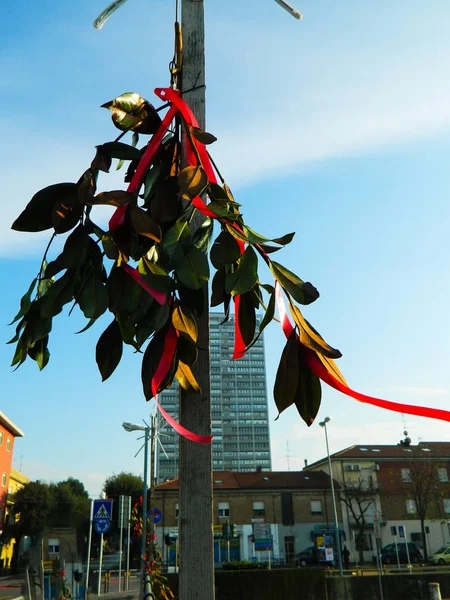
(115, 198)
(331, 367)
(184, 321)
(189, 376)
(309, 337)
(192, 181)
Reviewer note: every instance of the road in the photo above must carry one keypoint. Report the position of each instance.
(10, 588)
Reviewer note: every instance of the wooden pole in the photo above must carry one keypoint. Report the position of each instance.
(196, 575)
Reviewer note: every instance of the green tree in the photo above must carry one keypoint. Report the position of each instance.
(123, 484)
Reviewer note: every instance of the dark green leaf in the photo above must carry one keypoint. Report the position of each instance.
(37, 215)
(202, 237)
(101, 162)
(114, 198)
(245, 276)
(58, 294)
(154, 175)
(203, 136)
(153, 321)
(144, 225)
(25, 302)
(187, 351)
(165, 204)
(135, 139)
(225, 250)
(120, 150)
(109, 349)
(20, 325)
(36, 328)
(155, 276)
(304, 293)
(256, 238)
(76, 248)
(176, 242)
(87, 186)
(247, 318)
(109, 247)
(66, 214)
(54, 267)
(286, 381)
(39, 352)
(93, 299)
(192, 299)
(193, 271)
(308, 394)
(123, 292)
(151, 360)
(219, 294)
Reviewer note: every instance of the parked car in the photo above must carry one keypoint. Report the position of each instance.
(306, 557)
(389, 554)
(441, 556)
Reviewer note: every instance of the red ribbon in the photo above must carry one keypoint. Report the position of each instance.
(315, 365)
(194, 437)
(160, 297)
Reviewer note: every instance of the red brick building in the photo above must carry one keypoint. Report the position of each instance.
(8, 432)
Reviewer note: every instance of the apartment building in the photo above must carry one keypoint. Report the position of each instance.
(286, 510)
(240, 425)
(392, 485)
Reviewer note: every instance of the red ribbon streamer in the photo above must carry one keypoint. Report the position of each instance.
(160, 297)
(194, 437)
(314, 364)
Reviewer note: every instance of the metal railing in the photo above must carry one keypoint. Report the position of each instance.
(148, 594)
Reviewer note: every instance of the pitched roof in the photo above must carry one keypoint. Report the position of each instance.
(279, 480)
(426, 450)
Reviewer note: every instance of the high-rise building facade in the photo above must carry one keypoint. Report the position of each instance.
(240, 424)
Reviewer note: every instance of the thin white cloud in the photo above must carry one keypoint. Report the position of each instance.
(420, 391)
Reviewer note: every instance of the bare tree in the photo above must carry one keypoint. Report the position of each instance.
(359, 497)
(423, 489)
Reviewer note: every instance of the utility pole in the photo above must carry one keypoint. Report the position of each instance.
(196, 575)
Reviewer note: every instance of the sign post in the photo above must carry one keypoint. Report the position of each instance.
(102, 514)
(377, 531)
(89, 549)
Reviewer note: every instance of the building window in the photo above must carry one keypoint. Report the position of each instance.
(177, 511)
(287, 509)
(1, 438)
(442, 474)
(53, 545)
(411, 506)
(258, 509)
(447, 505)
(224, 510)
(406, 475)
(4, 479)
(8, 444)
(316, 507)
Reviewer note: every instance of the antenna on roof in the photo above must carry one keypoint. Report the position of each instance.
(288, 456)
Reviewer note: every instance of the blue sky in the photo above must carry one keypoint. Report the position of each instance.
(336, 127)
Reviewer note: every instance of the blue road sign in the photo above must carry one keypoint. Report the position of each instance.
(102, 510)
(102, 525)
(401, 531)
(157, 515)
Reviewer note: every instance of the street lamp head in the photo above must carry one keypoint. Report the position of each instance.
(325, 421)
(132, 427)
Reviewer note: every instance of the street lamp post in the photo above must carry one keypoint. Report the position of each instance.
(132, 427)
(333, 497)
